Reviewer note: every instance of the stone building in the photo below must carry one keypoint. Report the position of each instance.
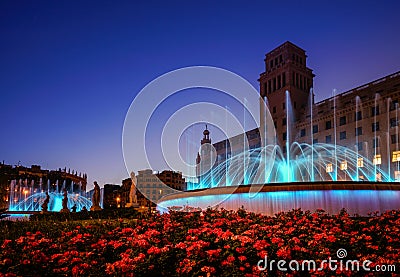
(154, 185)
(34, 178)
(364, 119)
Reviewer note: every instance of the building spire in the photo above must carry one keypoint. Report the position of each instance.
(206, 136)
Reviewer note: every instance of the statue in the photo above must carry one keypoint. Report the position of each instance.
(132, 192)
(45, 205)
(96, 198)
(65, 202)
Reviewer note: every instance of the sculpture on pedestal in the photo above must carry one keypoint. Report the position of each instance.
(132, 192)
(65, 202)
(45, 205)
(96, 198)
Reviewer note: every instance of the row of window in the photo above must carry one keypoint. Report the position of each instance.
(377, 160)
(275, 83)
(275, 61)
(297, 58)
(374, 111)
(359, 146)
(375, 127)
(301, 82)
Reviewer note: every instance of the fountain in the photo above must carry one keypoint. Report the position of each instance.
(299, 183)
(309, 176)
(24, 198)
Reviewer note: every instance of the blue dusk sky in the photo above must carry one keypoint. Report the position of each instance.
(70, 69)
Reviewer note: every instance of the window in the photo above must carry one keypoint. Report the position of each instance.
(393, 122)
(284, 106)
(394, 105)
(375, 143)
(275, 124)
(359, 146)
(269, 86)
(375, 126)
(328, 139)
(280, 58)
(328, 125)
(315, 140)
(274, 109)
(283, 79)
(279, 81)
(394, 138)
(360, 162)
(343, 165)
(377, 160)
(284, 135)
(342, 135)
(358, 131)
(397, 176)
(315, 129)
(329, 168)
(302, 132)
(358, 115)
(374, 110)
(342, 120)
(271, 63)
(274, 84)
(396, 156)
(284, 121)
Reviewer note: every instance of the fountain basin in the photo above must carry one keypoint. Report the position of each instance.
(360, 198)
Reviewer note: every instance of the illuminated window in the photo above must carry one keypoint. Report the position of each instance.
(397, 176)
(329, 168)
(396, 156)
(377, 159)
(379, 177)
(360, 162)
(343, 165)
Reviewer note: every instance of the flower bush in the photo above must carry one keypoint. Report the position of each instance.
(209, 243)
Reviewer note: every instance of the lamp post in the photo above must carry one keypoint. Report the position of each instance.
(118, 200)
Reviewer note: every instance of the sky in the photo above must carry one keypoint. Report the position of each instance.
(70, 69)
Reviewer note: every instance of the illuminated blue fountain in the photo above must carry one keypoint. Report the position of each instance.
(308, 163)
(34, 202)
(309, 176)
(30, 197)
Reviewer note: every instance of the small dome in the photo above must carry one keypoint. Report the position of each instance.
(206, 132)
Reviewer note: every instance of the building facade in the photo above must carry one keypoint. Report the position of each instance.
(364, 119)
(154, 185)
(29, 180)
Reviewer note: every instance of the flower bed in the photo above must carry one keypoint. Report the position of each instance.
(211, 243)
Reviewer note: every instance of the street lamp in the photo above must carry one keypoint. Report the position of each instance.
(118, 199)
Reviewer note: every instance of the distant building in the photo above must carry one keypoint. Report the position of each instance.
(111, 197)
(33, 179)
(364, 119)
(155, 185)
